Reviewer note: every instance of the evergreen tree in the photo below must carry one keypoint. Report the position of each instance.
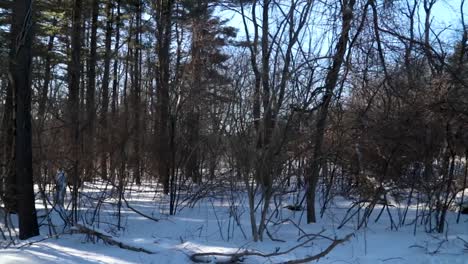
(20, 82)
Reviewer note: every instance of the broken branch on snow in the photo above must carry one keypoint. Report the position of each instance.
(108, 239)
(238, 256)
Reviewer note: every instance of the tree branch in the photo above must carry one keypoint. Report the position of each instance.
(233, 257)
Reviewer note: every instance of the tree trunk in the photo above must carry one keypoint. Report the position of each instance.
(47, 76)
(90, 93)
(164, 19)
(8, 143)
(253, 48)
(115, 93)
(462, 200)
(193, 116)
(9, 194)
(265, 154)
(136, 97)
(105, 92)
(74, 104)
(20, 78)
(330, 83)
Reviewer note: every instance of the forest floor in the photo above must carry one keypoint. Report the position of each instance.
(210, 225)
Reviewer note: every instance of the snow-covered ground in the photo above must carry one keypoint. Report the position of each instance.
(210, 227)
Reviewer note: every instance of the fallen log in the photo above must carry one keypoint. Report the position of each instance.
(108, 239)
(239, 256)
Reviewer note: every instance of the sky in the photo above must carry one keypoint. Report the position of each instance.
(446, 14)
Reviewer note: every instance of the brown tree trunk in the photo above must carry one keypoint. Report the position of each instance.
(164, 19)
(465, 176)
(136, 93)
(90, 93)
(253, 48)
(330, 83)
(115, 93)
(8, 143)
(193, 115)
(265, 155)
(105, 92)
(9, 194)
(20, 80)
(47, 76)
(74, 104)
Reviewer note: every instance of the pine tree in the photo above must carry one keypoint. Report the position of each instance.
(20, 81)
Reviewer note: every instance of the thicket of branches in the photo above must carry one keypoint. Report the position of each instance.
(362, 98)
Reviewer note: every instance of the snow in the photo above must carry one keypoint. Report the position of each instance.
(209, 227)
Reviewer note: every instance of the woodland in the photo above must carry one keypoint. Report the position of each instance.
(272, 117)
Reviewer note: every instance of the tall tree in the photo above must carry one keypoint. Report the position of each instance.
(20, 81)
(115, 84)
(209, 36)
(164, 10)
(198, 12)
(105, 90)
(74, 103)
(91, 90)
(330, 84)
(136, 94)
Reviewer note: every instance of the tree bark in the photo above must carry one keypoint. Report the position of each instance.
(20, 80)
(74, 103)
(164, 18)
(9, 193)
(330, 83)
(90, 92)
(105, 91)
(136, 93)
(8, 137)
(115, 93)
(193, 115)
(253, 48)
(47, 77)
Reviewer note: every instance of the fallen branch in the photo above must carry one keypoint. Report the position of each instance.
(272, 238)
(108, 239)
(464, 241)
(322, 254)
(138, 212)
(238, 256)
(293, 223)
(37, 241)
